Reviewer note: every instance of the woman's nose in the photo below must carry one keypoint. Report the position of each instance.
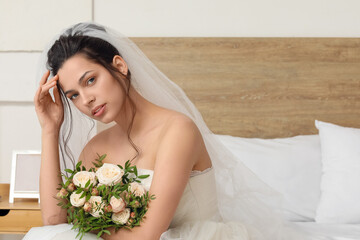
(88, 99)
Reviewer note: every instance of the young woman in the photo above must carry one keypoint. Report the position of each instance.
(107, 78)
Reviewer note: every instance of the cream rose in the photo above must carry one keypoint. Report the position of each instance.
(117, 204)
(121, 217)
(137, 189)
(75, 199)
(81, 178)
(97, 206)
(109, 174)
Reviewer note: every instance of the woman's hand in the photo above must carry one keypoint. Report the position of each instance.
(50, 113)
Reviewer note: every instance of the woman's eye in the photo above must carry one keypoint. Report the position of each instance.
(74, 96)
(90, 81)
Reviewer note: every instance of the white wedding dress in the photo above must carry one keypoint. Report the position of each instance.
(196, 217)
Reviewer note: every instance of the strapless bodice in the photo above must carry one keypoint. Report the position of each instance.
(198, 201)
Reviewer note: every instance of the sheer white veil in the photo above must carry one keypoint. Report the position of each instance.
(240, 192)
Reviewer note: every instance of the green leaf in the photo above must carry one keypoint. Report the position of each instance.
(69, 171)
(87, 183)
(127, 164)
(144, 176)
(88, 196)
(107, 232)
(78, 166)
(83, 194)
(100, 233)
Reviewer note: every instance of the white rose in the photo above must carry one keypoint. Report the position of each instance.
(109, 174)
(121, 217)
(97, 206)
(117, 204)
(75, 199)
(81, 178)
(137, 189)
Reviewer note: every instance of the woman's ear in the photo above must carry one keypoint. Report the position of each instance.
(120, 64)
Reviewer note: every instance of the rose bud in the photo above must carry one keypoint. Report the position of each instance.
(62, 193)
(108, 208)
(137, 189)
(117, 204)
(71, 187)
(130, 221)
(132, 214)
(94, 192)
(87, 207)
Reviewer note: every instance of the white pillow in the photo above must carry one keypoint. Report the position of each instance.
(292, 166)
(340, 183)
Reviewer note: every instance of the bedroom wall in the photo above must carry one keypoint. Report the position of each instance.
(26, 26)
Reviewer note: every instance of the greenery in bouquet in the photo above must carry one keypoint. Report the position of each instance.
(105, 196)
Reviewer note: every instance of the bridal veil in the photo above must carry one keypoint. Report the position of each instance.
(239, 191)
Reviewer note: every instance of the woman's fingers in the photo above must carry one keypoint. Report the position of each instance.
(44, 78)
(46, 86)
(57, 95)
(45, 89)
(36, 97)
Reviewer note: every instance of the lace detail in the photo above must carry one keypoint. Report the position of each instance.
(197, 172)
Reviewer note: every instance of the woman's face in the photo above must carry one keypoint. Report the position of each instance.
(92, 89)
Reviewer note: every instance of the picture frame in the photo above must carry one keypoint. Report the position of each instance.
(25, 175)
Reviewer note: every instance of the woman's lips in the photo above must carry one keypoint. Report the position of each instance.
(99, 110)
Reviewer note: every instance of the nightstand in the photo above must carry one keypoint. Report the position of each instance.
(20, 216)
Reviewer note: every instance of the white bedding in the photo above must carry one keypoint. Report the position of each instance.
(293, 167)
(327, 231)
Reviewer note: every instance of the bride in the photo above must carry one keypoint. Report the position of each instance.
(201, 191)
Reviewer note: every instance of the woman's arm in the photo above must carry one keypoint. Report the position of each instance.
(50, 115)
(178, 152)
(50, 179)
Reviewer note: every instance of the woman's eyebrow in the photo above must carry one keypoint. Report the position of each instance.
(80, 80)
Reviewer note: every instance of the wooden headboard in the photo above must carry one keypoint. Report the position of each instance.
(264, 87)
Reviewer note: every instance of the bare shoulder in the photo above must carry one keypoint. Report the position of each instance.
(180, 133)
(178, 125)
(181, 137)
(89, 152)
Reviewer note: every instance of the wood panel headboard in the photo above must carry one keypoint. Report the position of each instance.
(264, 87)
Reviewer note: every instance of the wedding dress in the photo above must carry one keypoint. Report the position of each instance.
(224, 202)
(196, 216)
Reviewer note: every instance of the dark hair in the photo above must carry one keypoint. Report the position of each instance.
(96, 50)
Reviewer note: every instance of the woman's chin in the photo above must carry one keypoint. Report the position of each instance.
(104, 121)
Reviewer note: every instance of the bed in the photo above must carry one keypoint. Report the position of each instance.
(261, 96)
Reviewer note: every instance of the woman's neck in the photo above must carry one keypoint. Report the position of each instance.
(144, 109)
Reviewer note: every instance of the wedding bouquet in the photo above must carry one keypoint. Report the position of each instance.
(106, 195)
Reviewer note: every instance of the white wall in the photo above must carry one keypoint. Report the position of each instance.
(231, 18)
(26, 26)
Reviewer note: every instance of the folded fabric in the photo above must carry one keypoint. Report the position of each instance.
(340, 182)
(291, 166)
